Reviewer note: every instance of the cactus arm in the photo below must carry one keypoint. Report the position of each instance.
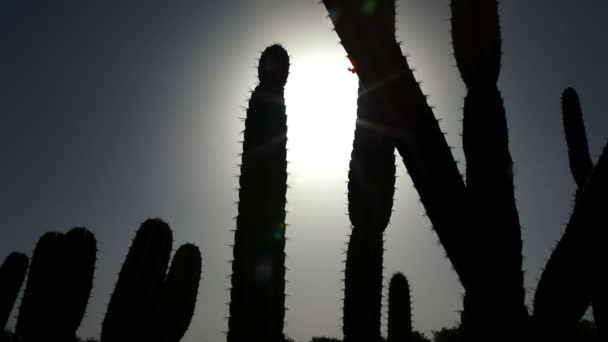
(176, 307)
(576, 138)
(562, 295)
(76, 274)
(257, 296)
(12, 275)
(36, 318)
(139, 283)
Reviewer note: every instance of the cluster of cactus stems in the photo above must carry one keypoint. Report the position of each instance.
(147, 304)
(371, 188)
(58, 286)
(257, 296)
(399, 310)
(477, 223)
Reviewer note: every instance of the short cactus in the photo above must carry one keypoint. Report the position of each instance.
(399, 310)
(58, 287)
(12, 274)
(144, 295)
(257, 296)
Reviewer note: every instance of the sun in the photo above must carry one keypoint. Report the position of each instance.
(321, 100)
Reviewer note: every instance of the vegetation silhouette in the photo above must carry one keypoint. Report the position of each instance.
(60, 280)
(257, 296)
(477, 222)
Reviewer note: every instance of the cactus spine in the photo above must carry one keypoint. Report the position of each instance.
(12, 274)
(58, 287)
(399, 310)
(144, 297)
(257, 296)
(371, 189)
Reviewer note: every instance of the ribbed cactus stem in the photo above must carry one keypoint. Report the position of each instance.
(12, 275)
(139, 283)
(371, 188)
(399, 310)
(257, 297)
(578, 148)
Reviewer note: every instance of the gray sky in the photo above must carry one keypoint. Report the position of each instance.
(115, 111)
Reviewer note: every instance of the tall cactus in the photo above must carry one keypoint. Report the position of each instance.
(58, 287)
(146, 304)
(477, 224)
(399, 310)
(371, 189)
(489, 175)
(257, 296)
(12, 274)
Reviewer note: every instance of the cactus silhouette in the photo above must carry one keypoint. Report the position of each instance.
(371, 189)
(257, 296)
(476, 223)
(489, 174)
(576, 138)
(12, 274)
(58, 287)
(147, 304)
(570, 280)
(399, 310)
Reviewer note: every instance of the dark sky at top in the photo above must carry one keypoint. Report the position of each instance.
(115, 111)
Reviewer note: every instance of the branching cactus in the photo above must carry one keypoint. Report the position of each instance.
(12, 275)
(257, 296)
(144, 295)
(571, 278)
(399, 310)
(371, 188)
(477, 224)
(367, 33)
(58, 287)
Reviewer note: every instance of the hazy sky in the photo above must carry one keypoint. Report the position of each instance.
(115, 111)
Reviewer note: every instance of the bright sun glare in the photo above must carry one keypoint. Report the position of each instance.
(321, 97)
